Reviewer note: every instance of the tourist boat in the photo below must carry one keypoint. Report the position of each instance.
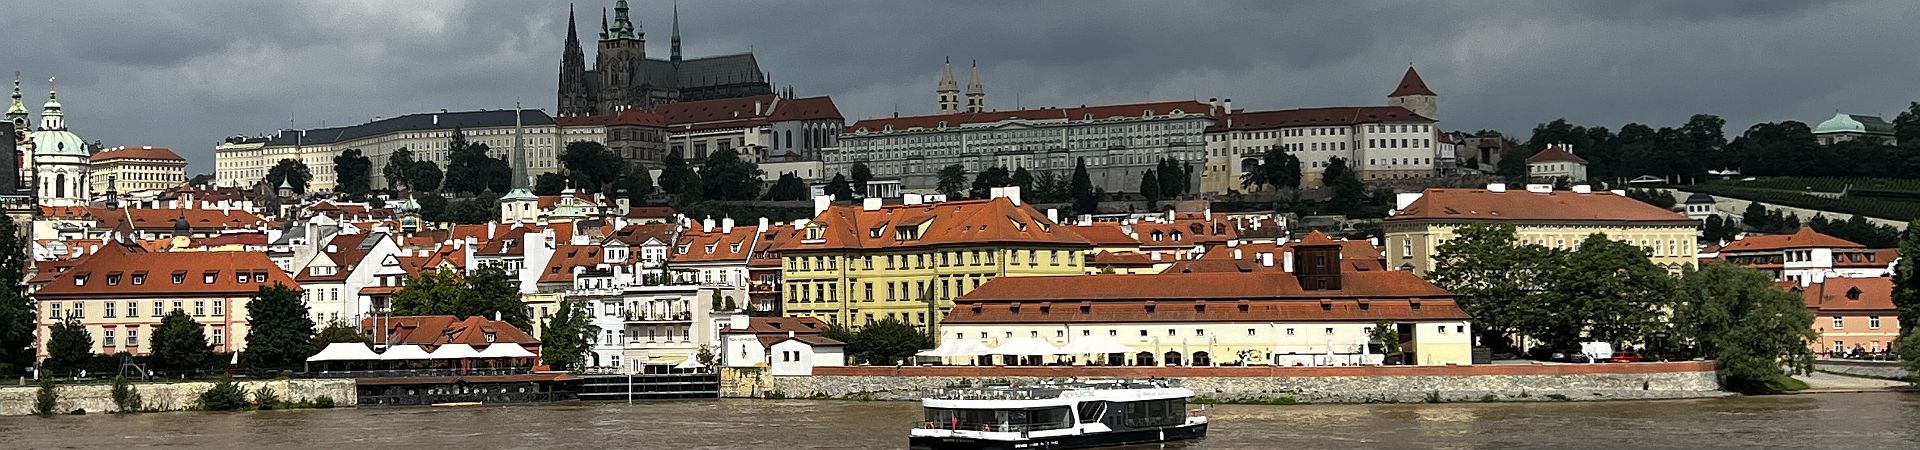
(1057, 416)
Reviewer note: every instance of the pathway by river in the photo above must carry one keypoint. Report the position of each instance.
(1867, 420)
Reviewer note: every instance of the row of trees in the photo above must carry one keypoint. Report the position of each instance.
(281, 335)
(887, 341)
(1610, 291)
(1786, 148)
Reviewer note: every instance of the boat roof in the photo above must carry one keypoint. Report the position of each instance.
(1071, 391)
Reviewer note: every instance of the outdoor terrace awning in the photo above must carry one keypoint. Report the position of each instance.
(505, 350)
(404, 353)
(957, 347)
(345, 351)
(455, 351)
(1026, 346)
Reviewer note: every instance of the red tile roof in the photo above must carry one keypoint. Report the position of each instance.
(766, 250)
(968, 222)
(1805, 238)
(1182, 233)
(1328, 116)
(233, 239)
(810, 108)
(1850, 295)
(1123, 259)
(565, 258)
(157, 271)
(1411, 84)
(1354, 255)
(1556, 153)
(1449, 204)
(150, 153)
(717, 245)
(1367, 296)
(1206, 286)
(163, 219)
(437, 330)
(1104, 234)
(1075, 114)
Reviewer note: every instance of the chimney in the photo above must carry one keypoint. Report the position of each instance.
(1013, 193)
(726, 225)
(331, 248)
(820, 204)
(1053, 215)
(763, 224)
(996, 192)
(1286, 262)
(1619, 192)
(1582, 189)
(870, 204)
(1236, 254)
(910, 199)
(1155, 255)
(706, 225)
(1208, 213)
(1227, 105)
(1213, 105)
(1496, 187)
(756, 107)
(1266, 259)
(1539, 188)
(436, 121)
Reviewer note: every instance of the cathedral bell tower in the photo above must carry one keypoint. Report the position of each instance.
(573, 74)
(949, 91)
(976, 94)
(623, 50)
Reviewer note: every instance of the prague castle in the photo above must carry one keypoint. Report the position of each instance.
(623, 77)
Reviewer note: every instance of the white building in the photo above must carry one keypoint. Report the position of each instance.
(1807, 256)
(799, 354)
(528, 140)
(129, 170)
(59, 162)
(650, 328)
(1557, 163)
(1396, 141)
(748, 341)
(786, 135)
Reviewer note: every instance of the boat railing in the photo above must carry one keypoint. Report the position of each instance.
(981, 427)
(997, 394)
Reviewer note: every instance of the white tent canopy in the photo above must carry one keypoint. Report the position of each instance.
(505, 350)
(345, 351)
(455, 351)
(404, 352)
(1095, 345)
(690, 363)
(1026, 346)
(957, 347)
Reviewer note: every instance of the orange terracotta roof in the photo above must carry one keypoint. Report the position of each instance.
(766, 249)
(1452, 204)
(565, 258)
(1805, 238)
(1105, 258)
(111, 272)
(1850, 295)
(149, 153)
(438, 330)
(1104, 234)
(930, 122)
(716, 245)
(1182, 233)
(1207, 286)
(964, 222)
(1411, 84)
(1189, 311)
(809, 108)
(233, 239)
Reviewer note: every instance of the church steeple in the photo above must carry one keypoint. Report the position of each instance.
(623, 27)
(976, 93)
(676, 33)
(948, 93)
(17, 110)
(573, 74)
(603, 24)
(50, 116)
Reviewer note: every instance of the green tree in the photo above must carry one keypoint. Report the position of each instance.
(1906, 280)
(201, 179)
(338, 332)
(1611, 290)
(180, 344)
(984, 183)
(567, 336)
(46, 400)
(1906, 127)
(953, 181)
(424, 176)
(591, 165)
(692, 189)
(1910, 357)
(353, 172)
(279, 333)
(724, 176)
(482, 208)
(1023, 179)
(888, 341)
(862, 177)
(674, 173)
(1495, 279)
(1348, 191)
(17, 309)
(399, 166)
(1150, 188)
(431, 293)
(1173, 178)
(1048, 187)
(69, 346)
(294, 172)
(550, 183)
(225, 395)
(839, 188)
(1085, 200)
(126, 397)
(1387, 334)
(789, 188)
(1278, 169)
(636, 185)
(1754, 331)
(1718, 230)
(488, 291)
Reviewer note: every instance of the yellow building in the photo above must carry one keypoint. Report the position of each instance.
(1311, 312)
(860, 264)
(1540, 215)
(121, 293)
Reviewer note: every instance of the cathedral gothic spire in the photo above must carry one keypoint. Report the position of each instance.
(676, 33)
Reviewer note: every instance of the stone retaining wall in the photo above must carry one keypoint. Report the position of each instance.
(1885, 370)
(98, 398)
(1304, 385)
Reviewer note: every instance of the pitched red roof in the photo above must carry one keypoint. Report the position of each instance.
(1076, 114)
(1182, 233)
(1556, 153)
(1850, 295)
(1519, 204)
(1411, 84)
(969, 222)
(716, 245)
(234, 239)
(1123, 259)
(810, 108)
(111, 272)
(1207, 286)
(1104, 234)
(155, 218)
(148, 153)
(1328, 116)
(565, 258)
(1201, 297)
(438, 330)
(1805, 238)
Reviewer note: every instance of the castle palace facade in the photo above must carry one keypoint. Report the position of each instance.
(623, 77)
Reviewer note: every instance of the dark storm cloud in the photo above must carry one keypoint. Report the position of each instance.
(185, 73)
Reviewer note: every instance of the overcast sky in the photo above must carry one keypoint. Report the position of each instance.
(185, 73)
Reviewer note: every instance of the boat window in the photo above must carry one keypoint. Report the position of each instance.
(1008, 420)
(1091, 412)
(1152, 413)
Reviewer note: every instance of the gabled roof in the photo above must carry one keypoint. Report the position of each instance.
(714, 246)
(1355, 256)
(565, 258)
(1555, 153)
(1104, 234)
(1805, 238)
(437, 330)
(1411, 84)
(1129, 110)
(1201, 297)
(810, 108)
(641, 233)
(120, 265)
(148, 153)
(1850, 294)
(1519, 204)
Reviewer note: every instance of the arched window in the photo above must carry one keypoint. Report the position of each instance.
(60, 185)
(1173, 358)
(1143, 359)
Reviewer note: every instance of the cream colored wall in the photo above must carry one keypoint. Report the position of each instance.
(232, 318)
(1672, 246)
(1855, 329)
(1225, 340)
(832, 278)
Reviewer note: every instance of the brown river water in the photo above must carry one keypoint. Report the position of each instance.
(1851, 421)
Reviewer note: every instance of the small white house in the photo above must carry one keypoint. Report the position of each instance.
(799, 354)
(748, 341)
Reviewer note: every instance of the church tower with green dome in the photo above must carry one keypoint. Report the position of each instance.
(60, 165)
(17, 110)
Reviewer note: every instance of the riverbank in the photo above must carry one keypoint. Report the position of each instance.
(1288, 385)
(171, 396)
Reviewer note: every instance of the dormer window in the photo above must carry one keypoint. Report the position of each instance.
(259, 277)
(113, 279)
(80, 280)
(240, 278)
(139, 279)
(684, 248)
(179, 277)
(211, 276)
(1853, 293)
